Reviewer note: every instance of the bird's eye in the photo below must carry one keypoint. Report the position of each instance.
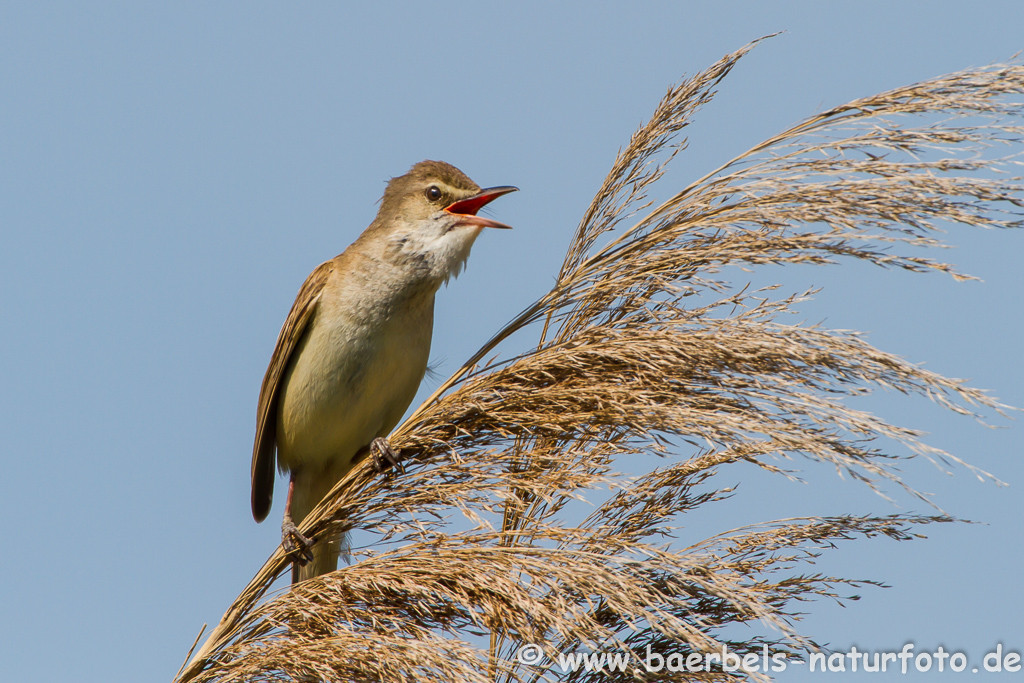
(433, 193)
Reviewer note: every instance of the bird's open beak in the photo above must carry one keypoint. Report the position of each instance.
(467, 208)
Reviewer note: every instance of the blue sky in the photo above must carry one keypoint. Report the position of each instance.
(169, 174)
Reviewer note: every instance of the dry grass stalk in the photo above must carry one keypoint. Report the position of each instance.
(622, 367)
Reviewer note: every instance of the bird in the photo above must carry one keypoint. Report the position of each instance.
(354, 348)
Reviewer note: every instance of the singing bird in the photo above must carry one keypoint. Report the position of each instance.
(354, 347)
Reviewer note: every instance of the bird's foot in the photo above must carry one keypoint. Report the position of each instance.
(384, 456)
(295, 543)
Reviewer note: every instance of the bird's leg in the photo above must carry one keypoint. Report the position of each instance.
(384, 456)
(291, 540)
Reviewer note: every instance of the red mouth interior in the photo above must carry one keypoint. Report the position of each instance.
(471, 205)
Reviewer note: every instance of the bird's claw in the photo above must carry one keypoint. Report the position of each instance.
(295, 543)
(384, 456)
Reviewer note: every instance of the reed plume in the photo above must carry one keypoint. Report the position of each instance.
(486, 541)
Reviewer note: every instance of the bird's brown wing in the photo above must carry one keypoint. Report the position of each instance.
(264, 448)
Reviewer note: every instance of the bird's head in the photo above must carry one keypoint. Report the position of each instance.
(429, 219)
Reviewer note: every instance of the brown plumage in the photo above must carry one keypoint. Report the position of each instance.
(355, 345)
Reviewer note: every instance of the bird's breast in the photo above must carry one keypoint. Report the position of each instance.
(352, 377)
